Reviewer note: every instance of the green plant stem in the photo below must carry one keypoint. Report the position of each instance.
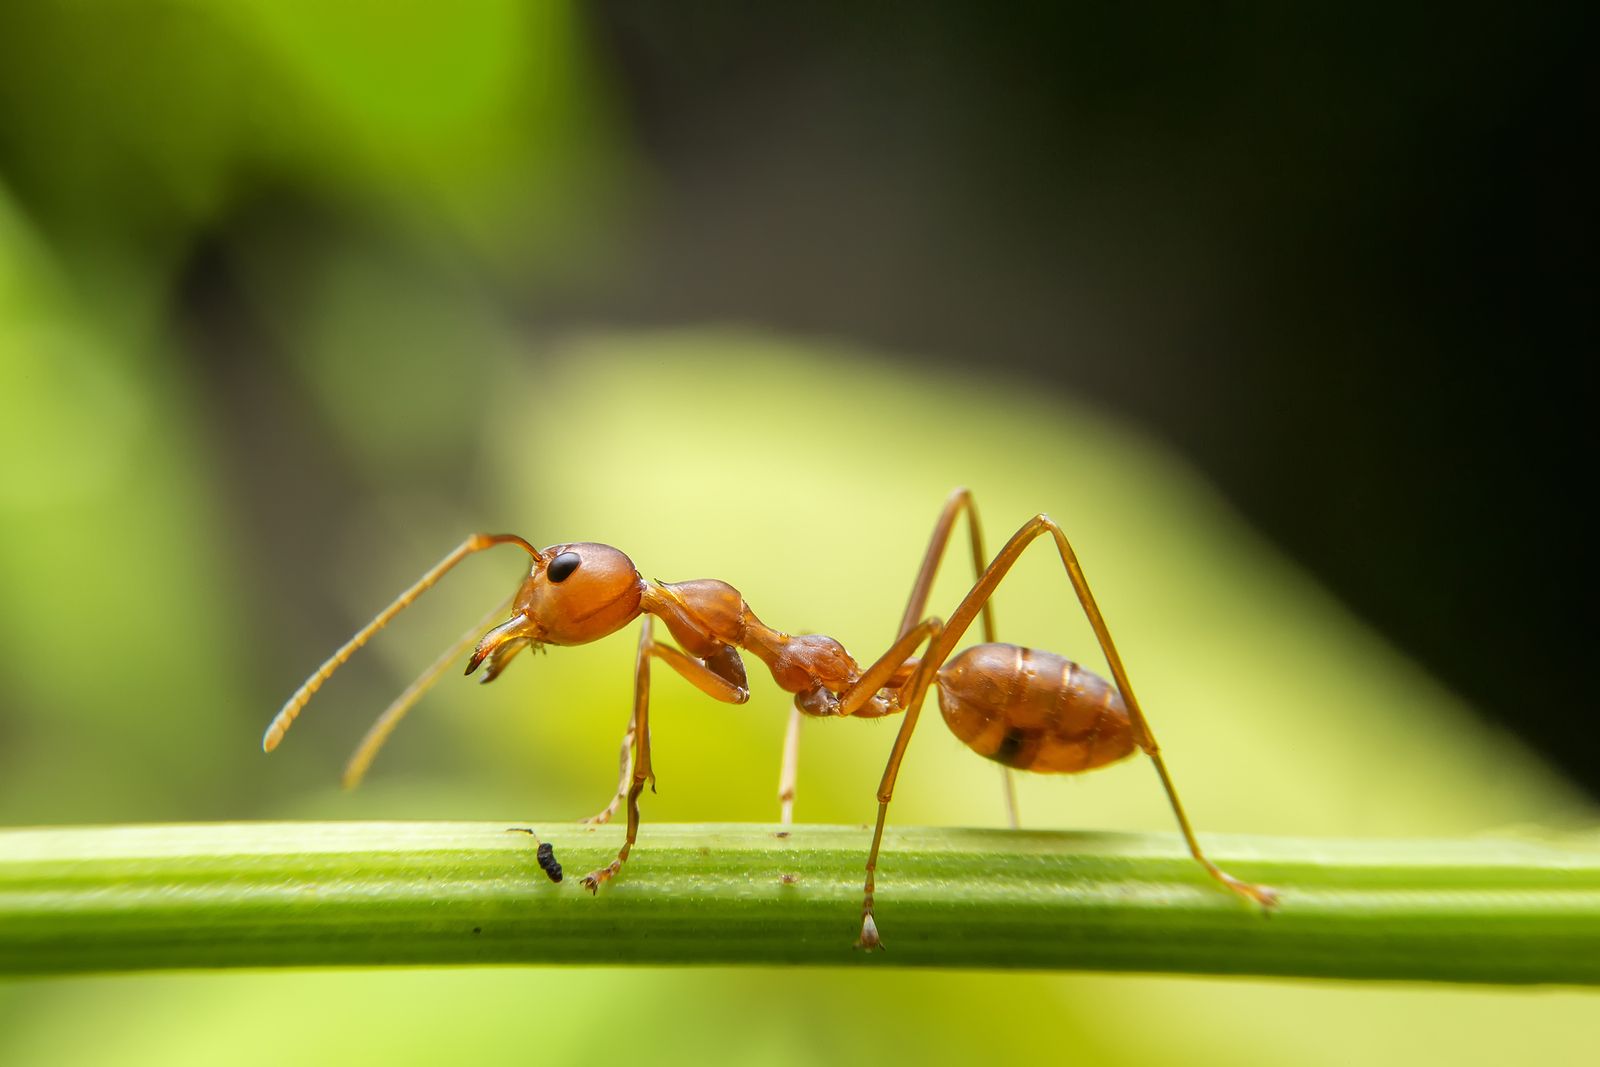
(342, 894)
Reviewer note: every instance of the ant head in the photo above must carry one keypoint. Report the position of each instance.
(574, 594)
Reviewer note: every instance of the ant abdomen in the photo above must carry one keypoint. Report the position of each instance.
(1033, 710)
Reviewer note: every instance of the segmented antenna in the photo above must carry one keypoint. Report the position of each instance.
(292, 708)
(384, 725)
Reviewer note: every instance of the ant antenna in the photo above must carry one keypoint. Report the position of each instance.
(384, 725)
(292, 708)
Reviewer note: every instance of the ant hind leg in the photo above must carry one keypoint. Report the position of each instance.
(1143, 735)
(942, 644)
(788, 776)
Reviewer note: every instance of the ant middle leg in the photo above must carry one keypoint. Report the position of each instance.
(789, 772)
(954, 504)
(877, 691)
(959, 500)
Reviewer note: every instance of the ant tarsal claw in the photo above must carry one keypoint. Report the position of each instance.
(1264, 895)
(595, 879)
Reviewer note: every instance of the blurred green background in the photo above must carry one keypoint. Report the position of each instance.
(292, 299)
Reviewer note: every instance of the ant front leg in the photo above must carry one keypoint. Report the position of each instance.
(624, 772)
(639, 731)
(720, 675)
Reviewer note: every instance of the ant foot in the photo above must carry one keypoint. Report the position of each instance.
(595, 879)
(1265, 896)
(598, 819)
(868, 941)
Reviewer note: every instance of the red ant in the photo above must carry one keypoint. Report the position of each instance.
(1025, 709)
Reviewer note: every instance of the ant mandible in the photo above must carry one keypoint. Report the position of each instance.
(1023, 708)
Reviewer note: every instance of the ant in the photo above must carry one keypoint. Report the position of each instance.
(1023, 708)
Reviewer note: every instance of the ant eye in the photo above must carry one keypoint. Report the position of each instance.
(562, 566)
